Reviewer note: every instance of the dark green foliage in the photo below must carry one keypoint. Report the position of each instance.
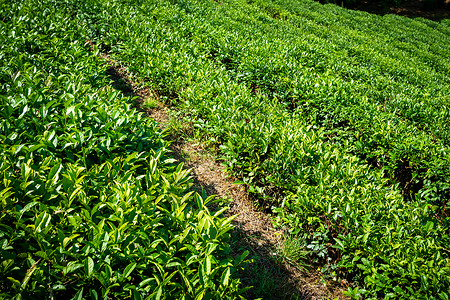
(338, 120)
(300, 97)
(91, 205)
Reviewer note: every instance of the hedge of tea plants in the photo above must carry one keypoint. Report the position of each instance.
(91, 204)
(387, 98)
(336, 119)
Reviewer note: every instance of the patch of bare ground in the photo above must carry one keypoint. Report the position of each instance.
(270, 276)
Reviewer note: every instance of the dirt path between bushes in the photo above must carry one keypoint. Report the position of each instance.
(271, 276)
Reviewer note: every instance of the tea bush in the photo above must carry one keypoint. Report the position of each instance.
(337, 120)
(92, 206)
(299, 97)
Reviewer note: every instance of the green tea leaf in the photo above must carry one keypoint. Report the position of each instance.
(225, 277)
(78, 295)
(88, 266)
(129, 269)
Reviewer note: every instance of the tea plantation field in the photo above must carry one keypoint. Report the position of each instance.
(92, 206)
(337, 121)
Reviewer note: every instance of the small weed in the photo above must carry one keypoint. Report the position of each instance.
(177, 125)
(151, 103)
(293, 251)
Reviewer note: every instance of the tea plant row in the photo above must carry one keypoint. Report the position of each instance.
(91, 204)
(298, 97)
(390, 103)
(390, 89)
